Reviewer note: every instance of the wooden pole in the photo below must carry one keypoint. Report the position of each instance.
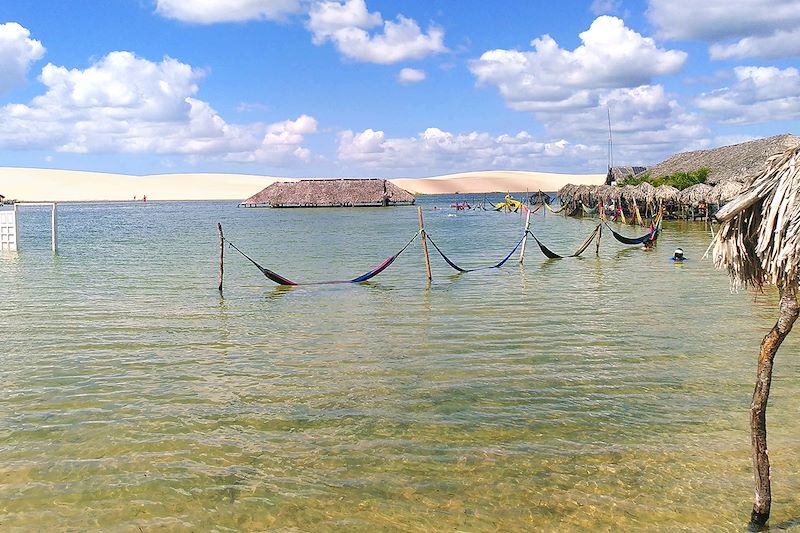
(54, 227)
(789, 312)
(525, 238)
(221, 254)
(599, 234)
(424, 244)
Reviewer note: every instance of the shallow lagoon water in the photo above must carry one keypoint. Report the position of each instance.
(601, 393)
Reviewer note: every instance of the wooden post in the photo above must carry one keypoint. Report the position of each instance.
(221, 254)
(789, 311)
(424, 244)
(525, 238)
(599, 234)
(54, 227)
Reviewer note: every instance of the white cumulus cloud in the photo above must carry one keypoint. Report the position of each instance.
(781, 43)
(549, 77)
(745, 28)
(438, 150)
(346, 24)
(411, 75)
(214, 11)
(17, 52)
(759, 94)
(124, 103)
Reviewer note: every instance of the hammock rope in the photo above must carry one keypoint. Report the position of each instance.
(460, 269)
(582, 248)
(649, 236)
(280, 280)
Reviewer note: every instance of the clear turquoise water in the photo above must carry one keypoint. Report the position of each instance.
(604, 393)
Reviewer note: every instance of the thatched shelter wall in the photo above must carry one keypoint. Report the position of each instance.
(331, 193)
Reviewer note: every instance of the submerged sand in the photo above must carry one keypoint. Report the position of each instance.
(31, 184)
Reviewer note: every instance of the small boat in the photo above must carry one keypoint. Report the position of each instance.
(461, 206)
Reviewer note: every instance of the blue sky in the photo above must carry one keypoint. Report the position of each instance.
(315, 88)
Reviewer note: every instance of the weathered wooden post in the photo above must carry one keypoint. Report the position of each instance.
(599, 234)
(221, 254)
(54, 227)
(424, 244)
(525, 237)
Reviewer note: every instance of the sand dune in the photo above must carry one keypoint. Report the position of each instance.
(31, 184)
(496, 181)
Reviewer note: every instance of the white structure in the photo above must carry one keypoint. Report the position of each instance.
(8, 226)
(8, 230)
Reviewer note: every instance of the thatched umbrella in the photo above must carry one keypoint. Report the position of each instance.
(630, 193)
(759, 242)
(695, 195)
(724, 191)
(666, 194)
(647, 191)
(566, 192)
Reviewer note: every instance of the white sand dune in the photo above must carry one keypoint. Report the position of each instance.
(496, 181)
(33, 184)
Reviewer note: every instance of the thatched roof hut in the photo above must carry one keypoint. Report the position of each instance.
(331, 193)
(630, 193)
(695, 195)
(736, 162)
(566, 192)
(724, 191)
(647, 192)
(666, 194)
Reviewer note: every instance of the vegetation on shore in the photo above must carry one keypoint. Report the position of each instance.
(679, 180)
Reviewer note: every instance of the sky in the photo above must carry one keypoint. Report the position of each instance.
(371, 88)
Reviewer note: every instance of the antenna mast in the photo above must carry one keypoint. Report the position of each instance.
(610, 142)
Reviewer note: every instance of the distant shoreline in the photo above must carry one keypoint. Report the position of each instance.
(45, 185)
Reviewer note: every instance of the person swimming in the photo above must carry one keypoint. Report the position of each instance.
(678, 256)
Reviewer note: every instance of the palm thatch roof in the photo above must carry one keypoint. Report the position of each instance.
(724, 191)
(759, 240)
(737, 162)
(695, 195)
(666, 194)
(631, 194)
(331, 193)
(647, 192)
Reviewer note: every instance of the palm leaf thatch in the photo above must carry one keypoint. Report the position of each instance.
(331, 193)
(738, 162)
(695, 195)
(759, 240)
(647, 192)
(631, 194)
(666, 194)
(566, 192)
(724, 191)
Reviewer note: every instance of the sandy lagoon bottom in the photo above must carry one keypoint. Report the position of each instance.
(607, 392)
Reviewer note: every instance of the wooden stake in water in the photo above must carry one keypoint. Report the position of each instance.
(424, 244)
(599, 234)
(221, 254)
(525, 237)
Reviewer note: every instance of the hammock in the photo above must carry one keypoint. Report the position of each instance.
(458, 268)
(280, 280)
(650, 236)
(589, 210)
(560, 209)
(552, 255)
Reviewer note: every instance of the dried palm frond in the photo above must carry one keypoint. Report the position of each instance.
(759, 241)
